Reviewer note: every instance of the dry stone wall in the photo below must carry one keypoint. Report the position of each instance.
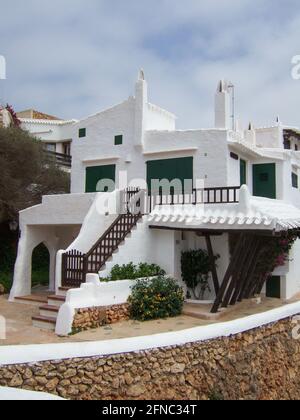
(96, 317)
(260, 364)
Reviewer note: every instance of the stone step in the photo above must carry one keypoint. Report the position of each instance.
(49, 311)
(62, 291)
(56, 300)
(34, 300)
(44, 322)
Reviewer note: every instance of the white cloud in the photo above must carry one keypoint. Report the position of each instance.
(75, 57)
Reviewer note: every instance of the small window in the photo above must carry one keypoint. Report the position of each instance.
(118, 140)
(294, 180)
(287, 144)
(82, 133)
(296, 147)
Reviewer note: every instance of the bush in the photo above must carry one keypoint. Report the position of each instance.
(195, 269)
(132, 272)
(158, 298)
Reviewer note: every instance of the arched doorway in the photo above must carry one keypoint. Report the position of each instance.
(40, 267)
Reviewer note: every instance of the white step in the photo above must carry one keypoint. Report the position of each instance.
(44, 323)
(49, 311)
(56, 300)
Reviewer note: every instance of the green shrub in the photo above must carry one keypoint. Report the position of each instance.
(38, 278)
(195, 269)
(132, 272)
(157, 298)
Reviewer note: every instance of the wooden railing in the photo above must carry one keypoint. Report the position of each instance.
(76, 265)
(60, 159)
(216, 195)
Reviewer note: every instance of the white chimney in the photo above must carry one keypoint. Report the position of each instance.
(222, 106)
(141, 101)
(250, 135)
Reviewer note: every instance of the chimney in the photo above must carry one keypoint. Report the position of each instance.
(141, 101)
(250, 135)
(222, 106)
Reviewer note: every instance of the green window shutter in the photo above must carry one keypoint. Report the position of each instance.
(243, 172)
(295, 182)
(264, 180)
(82, 133)
(95, 174)
(118, 140)
(170, 169)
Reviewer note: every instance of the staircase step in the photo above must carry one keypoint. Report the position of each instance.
(32, 300)
(56, 300)
(62, 291)
(49, 311)
(44, 322)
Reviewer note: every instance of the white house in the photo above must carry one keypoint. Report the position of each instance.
(136, 142)
(54, 133)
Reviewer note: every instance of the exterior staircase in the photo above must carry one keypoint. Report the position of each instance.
(76, 265)
(49, 310)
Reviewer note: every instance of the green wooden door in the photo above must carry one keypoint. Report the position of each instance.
(274, 287)
(264, 180)
(243, 171)
(170, 169)
(95, 174)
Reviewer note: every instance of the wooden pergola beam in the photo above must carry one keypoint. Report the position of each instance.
(237, 277)
(212, 264)
(228, 275)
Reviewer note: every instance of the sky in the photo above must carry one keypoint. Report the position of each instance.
(72, 58)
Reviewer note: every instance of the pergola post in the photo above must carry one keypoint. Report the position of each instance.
(212, 263)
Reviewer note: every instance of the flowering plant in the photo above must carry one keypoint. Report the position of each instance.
(158, 298)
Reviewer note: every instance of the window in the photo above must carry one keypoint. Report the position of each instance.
(82, 133)
(287, 144)
(296, 147)
(50, 147)
(118, 140)
(294, 180)
(243, 172)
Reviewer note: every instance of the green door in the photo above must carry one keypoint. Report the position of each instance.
(95, 174)
(243, 171)
(274, 287)
(170, 169)
(264, 180)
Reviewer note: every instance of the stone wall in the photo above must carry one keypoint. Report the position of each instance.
(261, 364)
(96, 317)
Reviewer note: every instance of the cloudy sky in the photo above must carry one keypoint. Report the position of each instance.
(72, 58)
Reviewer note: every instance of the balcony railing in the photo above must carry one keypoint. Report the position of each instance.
(60, 159)
(145, 202)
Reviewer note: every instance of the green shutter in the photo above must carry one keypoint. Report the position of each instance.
(243, 171)
(170, 169)
(264, 180)
(118, 140)
(97, 173)
(82, 132)
(295, 180)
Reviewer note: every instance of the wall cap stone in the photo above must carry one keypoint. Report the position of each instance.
(21, 354)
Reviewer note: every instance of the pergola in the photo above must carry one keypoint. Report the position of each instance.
(258, 224)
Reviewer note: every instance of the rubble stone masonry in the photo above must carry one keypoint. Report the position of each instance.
(260, 364)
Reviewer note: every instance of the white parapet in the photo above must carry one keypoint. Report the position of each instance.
(91, 294)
